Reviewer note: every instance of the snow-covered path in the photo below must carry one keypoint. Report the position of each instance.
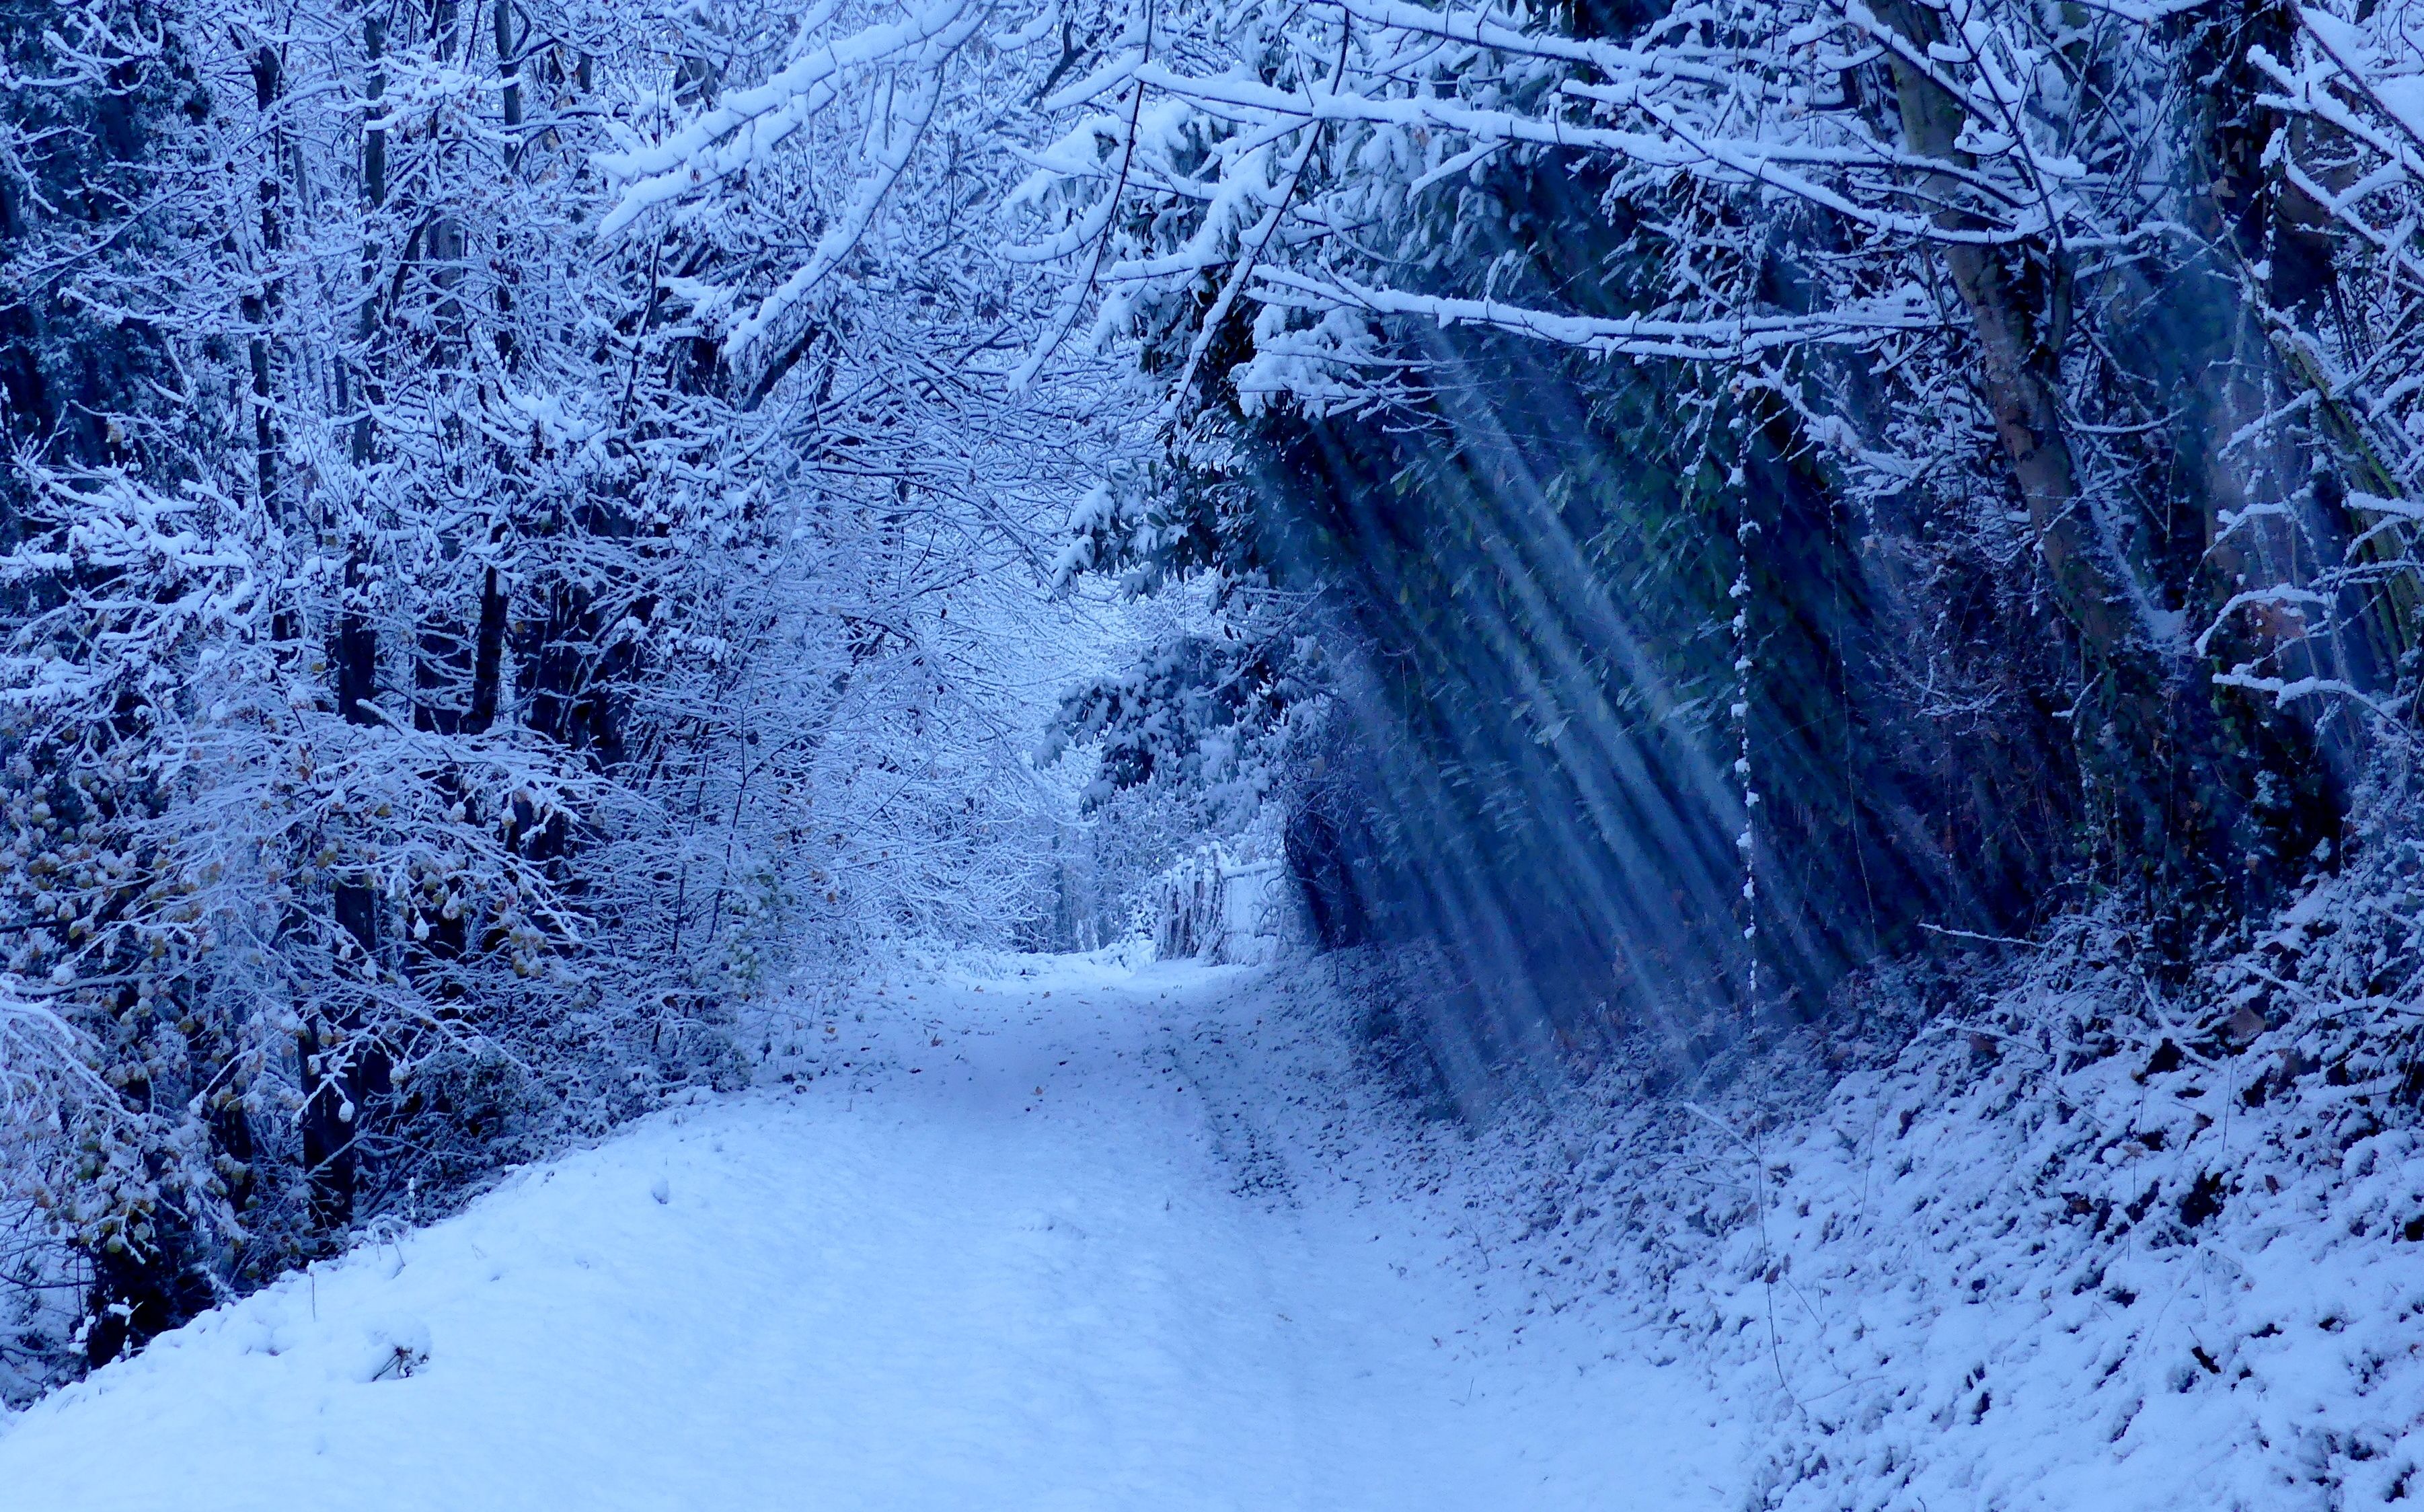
(1025, 1245)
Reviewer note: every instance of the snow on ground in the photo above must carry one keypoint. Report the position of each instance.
(1085, 1238)
(2038, 1260)
(1066, 1235)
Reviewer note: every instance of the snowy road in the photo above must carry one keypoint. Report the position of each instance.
(1011, 1257)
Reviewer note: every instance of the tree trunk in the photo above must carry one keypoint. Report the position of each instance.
(2018, 371)
(508, 66)
(336, 1074)
(2175, 772)
(261, 307)
(487, 657)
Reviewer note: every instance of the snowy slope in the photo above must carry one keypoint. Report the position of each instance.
(1021, 1244)
(2044, 1262)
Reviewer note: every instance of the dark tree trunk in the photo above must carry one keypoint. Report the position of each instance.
(261, 307)
(2175, 769)
(487, 657)
(339, 1068)
(507, 65)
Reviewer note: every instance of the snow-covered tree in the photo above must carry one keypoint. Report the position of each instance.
(452, 669)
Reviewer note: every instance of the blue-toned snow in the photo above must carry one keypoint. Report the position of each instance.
(1016, 1254)
(1058, 1233)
